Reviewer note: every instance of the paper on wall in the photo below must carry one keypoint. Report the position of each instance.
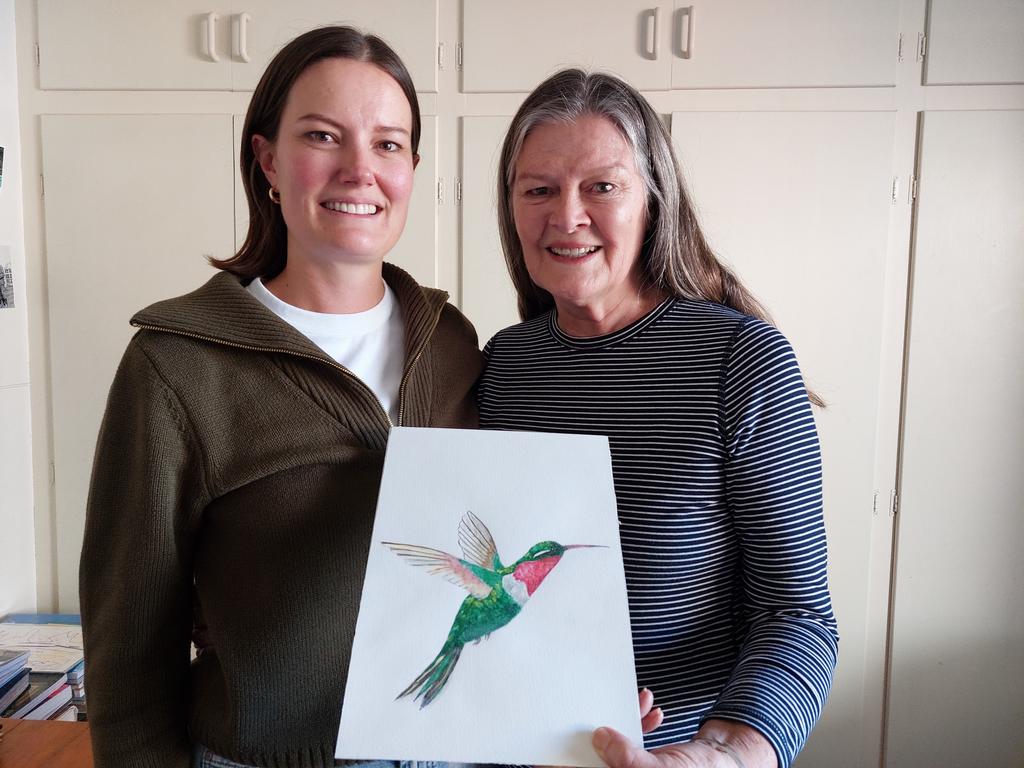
(6, 278)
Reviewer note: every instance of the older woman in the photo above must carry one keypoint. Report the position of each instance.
(239, 459)
(634, 330)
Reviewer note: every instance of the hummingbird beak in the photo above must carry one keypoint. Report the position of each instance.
(585, 546)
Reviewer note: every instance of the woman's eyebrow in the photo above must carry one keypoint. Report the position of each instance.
(605, 170)
(315, 116)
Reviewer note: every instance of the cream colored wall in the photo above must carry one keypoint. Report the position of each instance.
(18, 548)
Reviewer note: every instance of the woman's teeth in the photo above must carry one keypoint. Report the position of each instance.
(363, 209)
(573, 252)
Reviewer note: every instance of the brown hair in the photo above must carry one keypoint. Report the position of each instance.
(675, 257)
(264, 252)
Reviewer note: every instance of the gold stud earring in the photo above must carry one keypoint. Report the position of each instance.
(275, 195)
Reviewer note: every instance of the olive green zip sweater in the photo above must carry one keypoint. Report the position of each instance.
(239, 464)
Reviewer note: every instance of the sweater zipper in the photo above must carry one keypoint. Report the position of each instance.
(415, 358)
(345, 371)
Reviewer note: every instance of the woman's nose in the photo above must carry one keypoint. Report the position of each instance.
(569, 213)
(356, 165)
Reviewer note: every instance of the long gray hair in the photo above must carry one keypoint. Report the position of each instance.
(675, 257)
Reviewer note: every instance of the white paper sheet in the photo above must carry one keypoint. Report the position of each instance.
(535, 689)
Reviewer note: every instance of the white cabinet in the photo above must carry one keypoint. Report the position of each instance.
(802, 213)
(120, 44)
(658, 45)
(126, 224)
(975, 41)
(785, 43)
(185, 45)
(513, 46)
(488, 299)
(958, 616)
(408, 27)
(791, 124)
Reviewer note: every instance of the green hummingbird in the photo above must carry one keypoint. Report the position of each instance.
(497, 593)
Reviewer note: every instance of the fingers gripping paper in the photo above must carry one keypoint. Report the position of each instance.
(493, 626)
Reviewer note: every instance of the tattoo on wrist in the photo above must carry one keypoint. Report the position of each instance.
(721, 746)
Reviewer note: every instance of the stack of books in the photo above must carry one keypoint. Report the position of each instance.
(13, 676)
(44, 674)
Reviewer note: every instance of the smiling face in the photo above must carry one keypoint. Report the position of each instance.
(579, 207)
(343, 164)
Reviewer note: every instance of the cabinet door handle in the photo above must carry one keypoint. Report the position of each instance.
(651, 38)
(211, 36)
(242, 46)
(686, 16)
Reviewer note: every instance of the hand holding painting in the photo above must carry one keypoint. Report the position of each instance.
(715, 750)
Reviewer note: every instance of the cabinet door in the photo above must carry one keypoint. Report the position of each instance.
(786, 43)
(416, 251)
(513, 46)
(123, 45)
(126, 224)
(975, 41)
(409, 27)
(488, 299)
(958, 616)
(802, 213)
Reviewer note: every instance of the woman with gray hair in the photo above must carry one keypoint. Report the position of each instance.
(633, 329)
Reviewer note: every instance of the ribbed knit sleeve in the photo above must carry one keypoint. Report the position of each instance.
(773, 486)
(136, 572)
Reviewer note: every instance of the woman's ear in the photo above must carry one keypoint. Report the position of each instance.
(264, 150)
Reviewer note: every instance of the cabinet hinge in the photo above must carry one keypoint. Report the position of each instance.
(458, 191)
(894, 503)
(895, 189)
(42, 186)
(440, 55)
(899, 48)
(874, 505)
(458, 56)
(37, 55)
(922, 46)
(440, 191)
(912, 192)
(53, 475)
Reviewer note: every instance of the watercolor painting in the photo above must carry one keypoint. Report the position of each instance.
(497, 593)
(494, 595)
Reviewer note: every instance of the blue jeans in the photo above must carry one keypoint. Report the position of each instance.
(204, 758)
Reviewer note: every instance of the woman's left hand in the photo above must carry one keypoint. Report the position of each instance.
(747, 744)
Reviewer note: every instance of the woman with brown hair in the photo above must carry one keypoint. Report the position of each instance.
(633, 329)
(241, 451)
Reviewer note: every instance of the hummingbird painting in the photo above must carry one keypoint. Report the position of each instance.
(497, 593)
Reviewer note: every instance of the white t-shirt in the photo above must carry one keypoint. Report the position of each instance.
(370, 344)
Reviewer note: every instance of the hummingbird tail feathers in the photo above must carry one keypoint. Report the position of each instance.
(432, 679)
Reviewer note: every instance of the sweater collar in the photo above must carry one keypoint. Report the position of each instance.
(223, 311)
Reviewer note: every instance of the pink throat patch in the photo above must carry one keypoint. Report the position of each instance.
(532, 573)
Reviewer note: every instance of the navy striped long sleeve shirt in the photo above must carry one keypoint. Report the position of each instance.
(718, 480)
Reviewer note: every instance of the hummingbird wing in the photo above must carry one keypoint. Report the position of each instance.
(442, 564)
(477, 543)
